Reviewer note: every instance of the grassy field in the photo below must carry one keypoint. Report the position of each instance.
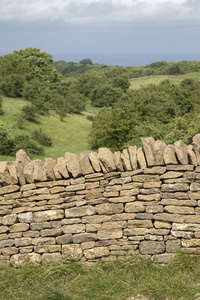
(70, 135)
(137, 83)
(116, 280)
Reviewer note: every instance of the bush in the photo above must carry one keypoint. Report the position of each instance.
(30, 147)
(41, 137)
(7, 144)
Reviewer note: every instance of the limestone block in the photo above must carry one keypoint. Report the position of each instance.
(180, 168)
(72, 164)
(28, 171)
(196, 147)
(6, 243)
(43, 241)
(128, 193)
(133, 156)
(9, 251)
(183, 234)
(151, 237)
(179, 187)
(141, 159)
(86, 167)
(164, 225)
(39, 173)
(72, 252)
(93, 227)
(96, 219)
(140, 224)
(151, 197)
(18, 259)
(185, 227)
(176, 195)
(22, 242)
(164, 258)
(4, 229)
(151, 247)
(167, 217)
(96, 252)
(60, 167)
(74, 212)
(84, 237)
(144, 216)
(40, 226)
(94, 161)
(181, 152)
(191, 156)
(87, 245)
(154, 209)
(20, 173)
(107, 159)
(75, 228)
(64, 239)
(13, 173)
(190, 243)
(179, 202)
(195, 187)
(150, 191)
(171, 174)
(49, 164)
(170, 155)
(126, 160)
(18, 227)
(150, 185)
(25, 217)
(145, 178)
(9, 219)
(109, 208)
(48, 215)
(112, 225)
(109, 234)
(134, 207)
(51, 232)
(185, 210)
(135, 231)
(148, 150)
(158, 151)
(118, 161)
(51, 258)
(47, 249)
(191, 219)
(75, 187)
(4, 173)
(22, 157)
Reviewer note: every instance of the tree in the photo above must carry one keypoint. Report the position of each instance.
(105, 95)
(86, 61)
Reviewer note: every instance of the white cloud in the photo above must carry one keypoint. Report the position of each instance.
(78, 11)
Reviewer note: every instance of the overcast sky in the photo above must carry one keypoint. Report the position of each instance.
(100, 26)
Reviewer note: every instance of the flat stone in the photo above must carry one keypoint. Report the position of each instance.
(181, 152)
(28, 171)
(148, 150)
(22, 157)
(13, 173)
(154, 209)
(25, 217)
(86, 167)
(146, 178)
(141, 159)
(64, 239)
(195, 187)
(6, 243)
(180, 167)
(179, 209)
(171, 174)
(109, 234)
(19, 227)
(72, 164)
(109, 208)
(4, 229)
(9, 219)
(191, 156)
(51, 258)
(39, 173)
(151, 197)
(43, 241)
(47, 249)
(179, 202)
(107, 159)
(162, 224)
(168, 217)
(48, 215)
(133, 156)
(94, 161)
(118, 161)
(84, 237)
(8, 189)
(134, 207)
(151, 247)
(185, 227)
(179, 187)
(75, 212)
(144, 216)
(158, 151)
(61, 167)
(75, 228)
(140, 223)
(49, 165)
(196, 147)
(72, 252)
(96, 252)
(135, 231)
(190, 243)
(18, 259)
(21, 242)
(155, 170)
(126, 160)
(170, 155)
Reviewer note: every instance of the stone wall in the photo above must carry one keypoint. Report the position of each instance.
(142, 201)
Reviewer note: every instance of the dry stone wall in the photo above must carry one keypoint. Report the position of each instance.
(101, 206)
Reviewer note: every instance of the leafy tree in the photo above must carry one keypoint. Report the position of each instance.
(86, 61)
(30, 147)
(7, 144)
(105, 95)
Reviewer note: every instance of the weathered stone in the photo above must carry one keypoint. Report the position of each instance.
(180, 167)
(135, 231)
(39, 173)
(9, 219)
(170, 155)
(48, 215)
(92, 185)
(93, 227)
(64, 239)
(151, 197)
(84, 237)
(74, 212)
(145, 178)
(179, 202)
(118, 161)
(191, 219)
(86, 167)
(154, 209)
(43, 241)
(107, 159)
(151, 247)
(151, 237)
(31, 234)
(94, 161)
(126, 160)
(28, 171)
(19, 227)
(22, 242)
(150, 191)
(183, 234)
(20, 173)
(49, 164)
(195, 187)
(12, 196)
(61, 167)
(28, 187)
(8, 189)
(191, 243)
(196, 147)
(72, 252)
(134, 207)
(9, 251)
(179, 187)
(128, 193)
(133, 156)
(4, 229)
(191, 156)
(47, 249)
(112, 225)
(96, 252)
(6, 243)
(169, 217)
(151, 185)
(158, 151)
(51, 232)
(162, 224)
(141, 158)
(109, 208)
(25, 217)
(175, 195)
(22, 157)
(51, 258)
(140, 224)
(96, 219)
(155, 170)
(164, 258)
(109, 234)
(75, 228)
(75, 187)
(73, 165)
(13, 173)
(185, 227)
(18, 259)
(171, 174)
(181, 152)
(144, 216)
(148, 150)
(179, 209)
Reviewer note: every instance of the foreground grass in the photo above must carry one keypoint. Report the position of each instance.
(68, 136)
(115, 280)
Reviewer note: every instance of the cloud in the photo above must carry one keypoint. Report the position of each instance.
(91, 11)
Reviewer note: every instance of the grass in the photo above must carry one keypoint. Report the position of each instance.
(68, 136)
(114, 280)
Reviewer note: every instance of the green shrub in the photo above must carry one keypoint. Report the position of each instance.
(30, 147)
(41, 137)
(7, 144)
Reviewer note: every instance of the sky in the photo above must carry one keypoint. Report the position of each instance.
(112, 27)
